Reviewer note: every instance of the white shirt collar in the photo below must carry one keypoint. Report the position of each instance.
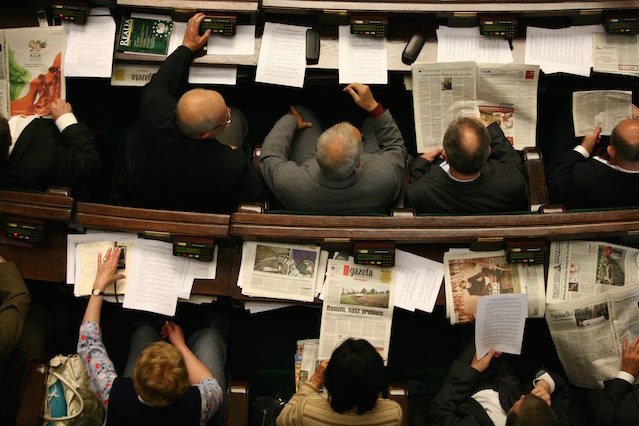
(17, 124)
(614, 166)
(446, 167)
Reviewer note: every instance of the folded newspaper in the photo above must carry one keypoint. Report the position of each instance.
(470, 276)
(305, 360)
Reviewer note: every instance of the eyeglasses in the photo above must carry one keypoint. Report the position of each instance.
(227, 122)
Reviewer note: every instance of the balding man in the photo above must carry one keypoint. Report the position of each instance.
(340, 170)
(580, 181)
(482, 173)
(183, 153)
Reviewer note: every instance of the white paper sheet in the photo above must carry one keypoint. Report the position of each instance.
(566, 50)
(362, 59)
(213, 75)
(259, 307)
(466, 44)
(282, 57)
(417, 281)
(242, 43)
(73, 239)
(90, 47)
(499, 323)
(197, 269)
(177, 36)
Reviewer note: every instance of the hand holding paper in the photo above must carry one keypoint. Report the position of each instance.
(499, 323)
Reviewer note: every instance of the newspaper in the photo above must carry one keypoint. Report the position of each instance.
(504, 93)
(32, 62)
(4, 77)
(470, 276)
(305, 360)
(604, 108)
(588, 334)
(358, 303)
(282, 271)
(615, 53)
(500, 322)
(584, 268)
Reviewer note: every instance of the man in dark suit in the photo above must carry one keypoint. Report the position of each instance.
(183, 152)
(581, 181)
(36, 153)
(618, 403)
(482, 173)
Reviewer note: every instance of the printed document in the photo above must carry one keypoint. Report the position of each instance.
(242, 43)
(212, 75)
(615, 53)
(136, 75)
(282, 57)
(466, 44)
(74, 239)
(499, 323)
(90, 47)
(362, 59)
(417, 281)
(86, 265)
(604, 108)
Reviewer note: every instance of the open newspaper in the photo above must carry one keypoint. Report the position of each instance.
(584, 268)
(615, 53)
(470, 276)
(281, 271)
(358, 303)
(603, 108)
(31, 76)
(305, 360)
(588, 333)
(505, 93)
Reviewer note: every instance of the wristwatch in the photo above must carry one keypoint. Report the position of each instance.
(97, 292)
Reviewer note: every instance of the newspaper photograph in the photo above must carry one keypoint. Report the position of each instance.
(34, 63)
(615, 53)
(470, 276)
(358, 303)
(513, 86)
(600, 108)
(502, 114)
(583, 268)
(283, 271)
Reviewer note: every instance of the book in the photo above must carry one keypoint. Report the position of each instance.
(146, 36)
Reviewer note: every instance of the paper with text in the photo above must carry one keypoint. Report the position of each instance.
(417, 281)
(90, 47)
(196, 269)
(242, 43)
(282, 57)
(86, 265)
(213, 75)
(615, 53)
(466, 44)
(603, 108)
(74, 239)
(499, 323)
(362, 59)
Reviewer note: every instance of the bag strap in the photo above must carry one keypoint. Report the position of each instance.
(75, 393)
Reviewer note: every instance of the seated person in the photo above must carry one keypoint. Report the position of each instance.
(482, 173)
(36, 153)
(354, 380)
(170, 384)
(340, 170)
(485, 391)
(618, 403)
(580, 181)
(184, 151)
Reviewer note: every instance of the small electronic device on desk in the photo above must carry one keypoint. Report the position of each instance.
(219, 25)
(194, 247)
(377, 253)
(621, 22)
(374, 26)
(498, 25)
(531, 252)
(28, 230)
(70, 11)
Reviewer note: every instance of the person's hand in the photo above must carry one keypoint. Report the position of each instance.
(318, 376)
(192, 38)
(635, 111)
(589, 141)
(60, 107)
(174, 334)
(362, 96)
(482, 363)
(107, 269)
(630, 357)
(2, 259)
(542, 390)
(432, 155)
(301, 124)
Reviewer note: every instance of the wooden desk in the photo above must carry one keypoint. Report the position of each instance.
(199, 5)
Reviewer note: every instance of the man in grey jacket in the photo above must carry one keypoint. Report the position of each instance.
(340, 170)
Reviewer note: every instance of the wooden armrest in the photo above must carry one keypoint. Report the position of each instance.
(537, 190)
(33, 391)
(237, 403)
(397, 392)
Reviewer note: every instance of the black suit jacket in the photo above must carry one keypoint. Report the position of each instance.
(500, 187)
(581, 183)
(44, 157)
(454, 403)
(171, 170)
(617, 404)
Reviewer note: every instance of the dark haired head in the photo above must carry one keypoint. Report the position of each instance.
(354, 377)
(467, 145)
(531, 411)
(625, 139)
(5, 138)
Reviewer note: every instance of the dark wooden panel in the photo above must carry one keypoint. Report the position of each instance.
(36, 205)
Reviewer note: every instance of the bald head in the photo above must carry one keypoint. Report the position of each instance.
(338, 151)
(467, 145)
(625, 140)
(199, 111)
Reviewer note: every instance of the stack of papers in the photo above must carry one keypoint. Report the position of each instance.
(466, 44)
(417, 281)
